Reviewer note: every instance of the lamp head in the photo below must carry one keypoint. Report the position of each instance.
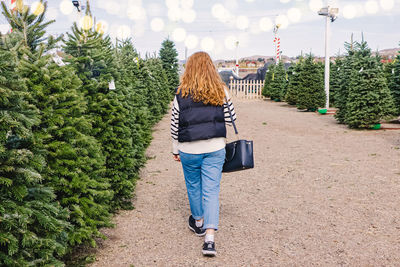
(329, 12)
(324, 11)
(76, 4)
(334, 11)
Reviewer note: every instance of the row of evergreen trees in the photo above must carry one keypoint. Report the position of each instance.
(364, 90)
(72, 136)
(301, 85)
(360, 88)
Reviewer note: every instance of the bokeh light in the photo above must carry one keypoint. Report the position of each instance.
(136, 13)
(179, 34)
(387, 4)
(191, 41)
(86, 22)
(188, 15)
(294, 14)
(187, 4)
(157, 24)
(170, 26)
(172, 3)
(283, 21)
(266, 24)
(22, 6)
(175, 14)
(5, 28)
(101, 27)
(315, 5)
(285, 1)
(227, 17)
(37, 8)
(371, 7)
(222, 14)
(230, 42)
(123, 32)
(242, 22)
(218, 10)
(207, 44)
(66, 7)
(349, 11)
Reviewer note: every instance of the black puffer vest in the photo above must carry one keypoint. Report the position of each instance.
(198, 121)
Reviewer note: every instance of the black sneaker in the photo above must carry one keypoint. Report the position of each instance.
(197, 230)
(209, 249)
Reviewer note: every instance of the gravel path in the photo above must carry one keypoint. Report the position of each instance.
(320, 195)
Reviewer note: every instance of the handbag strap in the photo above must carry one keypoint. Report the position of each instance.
(230, 114)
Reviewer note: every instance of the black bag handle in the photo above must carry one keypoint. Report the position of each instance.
(230, 114)
(234, 144)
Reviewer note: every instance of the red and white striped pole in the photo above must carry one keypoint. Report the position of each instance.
(13, 5)
(13, 8)
(278, 49)
(277, 43)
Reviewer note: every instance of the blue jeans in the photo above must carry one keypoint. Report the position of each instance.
(203, 174)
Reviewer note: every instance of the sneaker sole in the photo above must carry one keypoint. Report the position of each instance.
(209, 253)
(203, 234)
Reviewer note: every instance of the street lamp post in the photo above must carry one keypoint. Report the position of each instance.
(331, 16)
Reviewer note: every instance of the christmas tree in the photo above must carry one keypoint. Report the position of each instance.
(75, 163)
(278, 83)
(34, 25)
(150, 91)
(159, 78)
(342, 90)
(138, 119)
(268, 79)
(32, 224)
(92, 57)
(369, 99)
(293, 84)
(310, 93)
(334, 80)
(392, 71)
(169, 58)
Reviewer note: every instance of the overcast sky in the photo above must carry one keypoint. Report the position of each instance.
(216, 25)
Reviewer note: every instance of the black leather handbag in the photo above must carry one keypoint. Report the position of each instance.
(239, 154)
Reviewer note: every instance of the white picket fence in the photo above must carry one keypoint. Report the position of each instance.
(248, 89)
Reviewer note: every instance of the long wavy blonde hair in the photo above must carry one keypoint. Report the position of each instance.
(202, 81)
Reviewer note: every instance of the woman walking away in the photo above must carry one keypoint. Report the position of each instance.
(199, 114)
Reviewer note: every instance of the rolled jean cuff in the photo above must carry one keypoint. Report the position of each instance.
(197, 217)
(210, 226)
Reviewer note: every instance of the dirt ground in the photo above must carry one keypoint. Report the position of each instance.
(320, 195)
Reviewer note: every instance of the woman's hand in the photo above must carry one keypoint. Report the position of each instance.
(176, 157)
